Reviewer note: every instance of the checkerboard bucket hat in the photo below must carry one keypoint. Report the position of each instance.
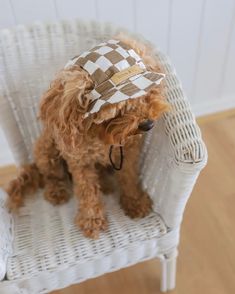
(118, 73)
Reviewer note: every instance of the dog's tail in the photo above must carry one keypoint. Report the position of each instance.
(27, 182)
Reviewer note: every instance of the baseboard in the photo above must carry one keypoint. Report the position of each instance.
(211, 107)
(6, 158)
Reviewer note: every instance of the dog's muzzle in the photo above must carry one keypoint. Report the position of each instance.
(146, 125)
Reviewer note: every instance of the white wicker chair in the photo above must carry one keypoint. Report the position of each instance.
(41, 250)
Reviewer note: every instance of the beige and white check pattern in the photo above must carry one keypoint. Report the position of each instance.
(103, 62)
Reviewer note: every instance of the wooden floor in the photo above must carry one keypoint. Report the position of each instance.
(206, 262)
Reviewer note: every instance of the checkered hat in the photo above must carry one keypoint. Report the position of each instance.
(118, 73)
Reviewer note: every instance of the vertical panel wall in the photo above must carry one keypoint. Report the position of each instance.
(199, 37)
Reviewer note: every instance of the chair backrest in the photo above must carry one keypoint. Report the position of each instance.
(30, 56)
(29, 59)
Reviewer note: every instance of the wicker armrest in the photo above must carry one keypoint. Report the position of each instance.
(5, 235)
(174, 153)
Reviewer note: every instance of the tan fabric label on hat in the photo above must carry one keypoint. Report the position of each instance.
(125, 74)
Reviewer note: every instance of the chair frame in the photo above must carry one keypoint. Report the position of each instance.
(175, 160)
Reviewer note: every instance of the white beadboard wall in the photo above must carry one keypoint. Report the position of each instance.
(199, 37)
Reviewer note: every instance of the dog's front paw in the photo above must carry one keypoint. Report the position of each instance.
(57, 194)
(136, 207)
(91, 226)
(16, 196)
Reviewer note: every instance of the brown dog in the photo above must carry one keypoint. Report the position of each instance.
(79, 144)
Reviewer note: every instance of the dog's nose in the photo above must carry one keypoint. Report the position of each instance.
(146, 125)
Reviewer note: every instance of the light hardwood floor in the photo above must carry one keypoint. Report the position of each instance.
(206, 264)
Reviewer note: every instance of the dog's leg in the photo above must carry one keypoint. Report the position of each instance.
(51, 166)
(134, 201)
(106, 179)
(90, 217)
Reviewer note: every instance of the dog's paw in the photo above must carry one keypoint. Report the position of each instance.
(15, 196)
(91, 226)
(13, 204)
(136, 207)
(56, 195)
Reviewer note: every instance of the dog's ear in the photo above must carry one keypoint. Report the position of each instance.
(64, 104)
(119, 129)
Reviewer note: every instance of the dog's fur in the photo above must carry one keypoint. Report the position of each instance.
(70, 142)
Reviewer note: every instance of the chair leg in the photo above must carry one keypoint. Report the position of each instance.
(168, 262)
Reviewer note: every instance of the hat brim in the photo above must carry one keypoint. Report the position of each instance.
(134, 87)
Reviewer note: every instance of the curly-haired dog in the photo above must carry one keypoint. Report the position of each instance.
(82, 134)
